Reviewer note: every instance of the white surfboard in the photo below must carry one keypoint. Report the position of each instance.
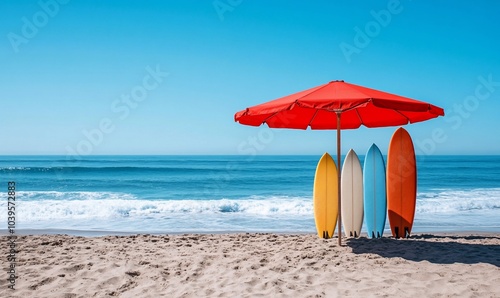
(352, 195)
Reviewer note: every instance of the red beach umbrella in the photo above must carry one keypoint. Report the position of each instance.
(338, 105)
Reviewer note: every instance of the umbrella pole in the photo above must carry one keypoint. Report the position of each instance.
(339, 224)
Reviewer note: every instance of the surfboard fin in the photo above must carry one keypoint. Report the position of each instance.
(325, 235)
(378, 235)
(396, 231)
(350, 234)
(373, 234)
(355, 234)
(407, 232)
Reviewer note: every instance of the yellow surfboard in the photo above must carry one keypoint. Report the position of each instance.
(325, 196)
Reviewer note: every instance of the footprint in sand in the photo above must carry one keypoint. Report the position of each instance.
(74, 268)
(45, 281)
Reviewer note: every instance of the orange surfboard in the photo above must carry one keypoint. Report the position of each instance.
(401, 183)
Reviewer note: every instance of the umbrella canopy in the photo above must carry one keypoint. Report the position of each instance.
(338, 105)
(318, 107)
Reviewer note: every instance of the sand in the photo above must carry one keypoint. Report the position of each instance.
(254, 265)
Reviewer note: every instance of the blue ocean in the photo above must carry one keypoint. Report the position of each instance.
(205, 194)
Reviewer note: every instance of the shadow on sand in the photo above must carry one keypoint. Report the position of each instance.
(432, 248)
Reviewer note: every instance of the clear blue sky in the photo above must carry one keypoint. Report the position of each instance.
(67, 68)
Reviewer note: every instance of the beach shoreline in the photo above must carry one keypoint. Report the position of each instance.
(254, 264)
(102, 233)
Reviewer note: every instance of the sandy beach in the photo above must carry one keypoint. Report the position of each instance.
(254, 265)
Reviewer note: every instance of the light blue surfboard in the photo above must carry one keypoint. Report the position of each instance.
(374, 195)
